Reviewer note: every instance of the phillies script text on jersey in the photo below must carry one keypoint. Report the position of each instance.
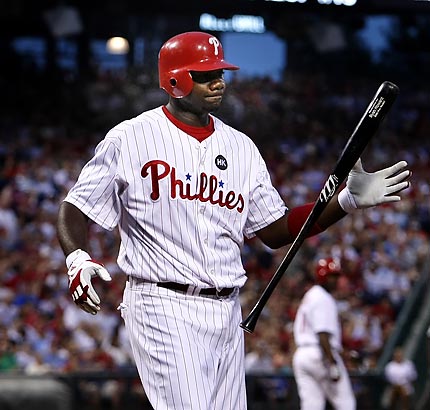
(207, 186)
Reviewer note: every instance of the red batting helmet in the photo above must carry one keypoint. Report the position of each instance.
(326, 267)
(191, 51)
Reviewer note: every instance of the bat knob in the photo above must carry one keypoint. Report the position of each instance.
(248, 325)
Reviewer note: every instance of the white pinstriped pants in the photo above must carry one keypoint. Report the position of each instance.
(189, 350)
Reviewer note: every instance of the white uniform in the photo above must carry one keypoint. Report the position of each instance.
(318, 313)
(182, 208)
(401, 374)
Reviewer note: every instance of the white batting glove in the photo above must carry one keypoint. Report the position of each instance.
(364, 189)
(334, 372)
(81, 269)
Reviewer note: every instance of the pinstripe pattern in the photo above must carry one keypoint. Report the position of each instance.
(167, 238)
(183, 208)
(198, 336)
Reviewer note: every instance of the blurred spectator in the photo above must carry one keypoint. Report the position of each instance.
(8, 360)
(8, 220)
(401, 375)
(258, 359)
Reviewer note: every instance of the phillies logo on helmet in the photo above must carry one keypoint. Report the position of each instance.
(215, 42)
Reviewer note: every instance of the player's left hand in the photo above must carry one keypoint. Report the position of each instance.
(81, 270)
(366, 189)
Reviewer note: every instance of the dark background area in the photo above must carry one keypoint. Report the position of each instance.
(157, 21)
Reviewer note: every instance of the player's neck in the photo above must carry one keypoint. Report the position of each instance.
(198, 132)
(192, 118)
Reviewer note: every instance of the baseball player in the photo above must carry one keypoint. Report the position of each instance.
(184, 189)
(318, 368)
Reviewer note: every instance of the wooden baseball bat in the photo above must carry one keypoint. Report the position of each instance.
(367, 127)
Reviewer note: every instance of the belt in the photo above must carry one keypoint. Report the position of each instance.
(181, 287)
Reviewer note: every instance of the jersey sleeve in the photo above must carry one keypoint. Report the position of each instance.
(265, 203)
(95, 192)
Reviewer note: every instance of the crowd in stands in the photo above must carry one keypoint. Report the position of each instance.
(300, 123)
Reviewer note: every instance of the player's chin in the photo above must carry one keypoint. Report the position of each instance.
(213, 103)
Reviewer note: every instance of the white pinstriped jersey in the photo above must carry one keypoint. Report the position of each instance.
(317, 313)
(182, 206)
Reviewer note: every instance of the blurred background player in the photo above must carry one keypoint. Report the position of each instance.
(318, 367)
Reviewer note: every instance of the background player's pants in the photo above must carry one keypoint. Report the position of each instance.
(189, 350)
(314, 386)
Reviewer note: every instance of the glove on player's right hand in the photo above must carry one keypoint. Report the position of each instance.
(365, 189)
(81, 269)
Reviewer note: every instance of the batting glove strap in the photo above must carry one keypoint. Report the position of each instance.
(364, 189)
(346, 200)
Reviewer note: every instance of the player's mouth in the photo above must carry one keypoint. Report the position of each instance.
(214, 97)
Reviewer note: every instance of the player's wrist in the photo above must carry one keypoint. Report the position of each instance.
(347, 201)
(76, 257)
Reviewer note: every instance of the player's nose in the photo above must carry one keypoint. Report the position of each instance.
(217, 84)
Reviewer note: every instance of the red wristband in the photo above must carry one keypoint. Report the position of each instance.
(297, 217)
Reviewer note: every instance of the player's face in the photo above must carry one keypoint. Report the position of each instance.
(331, 283)
(205, 97)
(208, 90)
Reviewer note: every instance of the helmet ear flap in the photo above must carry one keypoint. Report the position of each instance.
(180, 83)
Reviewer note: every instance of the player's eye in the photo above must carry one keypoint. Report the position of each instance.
(202, 77)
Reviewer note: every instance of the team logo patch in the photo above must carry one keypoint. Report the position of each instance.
(221, 162)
